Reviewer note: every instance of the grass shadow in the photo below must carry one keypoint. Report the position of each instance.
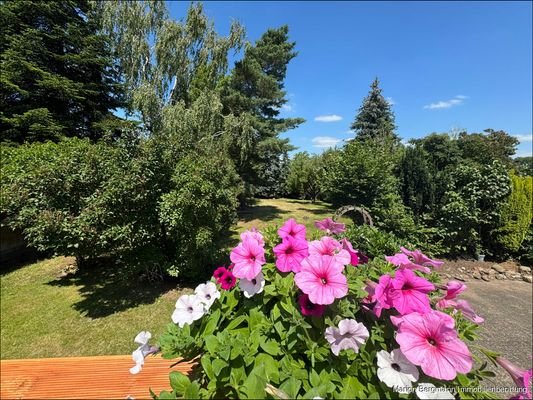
(106, 289)
(20, 260)
(263, 213)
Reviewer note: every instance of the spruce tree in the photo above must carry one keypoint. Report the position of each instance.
(375, 119)
(57, 75)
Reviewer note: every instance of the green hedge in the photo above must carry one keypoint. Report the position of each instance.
(516, 214)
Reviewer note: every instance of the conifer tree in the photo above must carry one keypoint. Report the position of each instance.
(57, 77)
(255, 89)
(375, 119)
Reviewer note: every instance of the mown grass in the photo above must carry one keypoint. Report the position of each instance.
(276, 211)
(46, 312)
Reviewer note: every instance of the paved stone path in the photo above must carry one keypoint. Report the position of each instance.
(507, 309)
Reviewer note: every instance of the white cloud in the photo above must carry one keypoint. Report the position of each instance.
(524, 138)
(526, 153)
(391, 101)
(328, 118)
(286, 107)
(457, 100)
(325, 141)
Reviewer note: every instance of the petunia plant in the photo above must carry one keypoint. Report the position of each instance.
(293, 316)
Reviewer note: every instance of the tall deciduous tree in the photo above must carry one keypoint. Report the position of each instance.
(168, 64)
(484, 148)
(375, 119)
(58, 78)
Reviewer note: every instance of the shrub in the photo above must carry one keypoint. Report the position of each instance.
(372, 241)
(472, 207)
(516, 214)
(127, 201)
(198, 212)
(64, 196)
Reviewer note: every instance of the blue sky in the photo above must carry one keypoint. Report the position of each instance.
(443, 65)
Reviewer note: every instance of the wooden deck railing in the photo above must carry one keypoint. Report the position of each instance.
(102, 377)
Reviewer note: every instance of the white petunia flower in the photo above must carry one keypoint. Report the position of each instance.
(189, 308)
(252, 286)
(396, 371)
(428, 391)
(142, 351)
(138, 357)
(207, 293)
(349, 335)
(142, 338)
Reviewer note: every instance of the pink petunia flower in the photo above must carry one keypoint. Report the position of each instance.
(310, 309)
(248, 258)
(328, 246)
(292, 228)
(453, 289)
(468, 312)
(349, 335)
(421, 259)
(321, 278)
(219, 272)
(409, 292)
(354, 256)
(290, 253)
(430, 341)
(521, 377)
(254, 234)
(383, 294)
(329, 226)
(227, 281)
(403, 262)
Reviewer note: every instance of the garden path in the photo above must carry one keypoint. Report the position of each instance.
(507, 309)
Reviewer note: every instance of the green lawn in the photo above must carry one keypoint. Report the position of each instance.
(47, 313)
(276, 211)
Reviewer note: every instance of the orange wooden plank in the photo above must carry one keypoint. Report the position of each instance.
(105, 377)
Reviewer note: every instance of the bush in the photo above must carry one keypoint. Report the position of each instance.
(472, 207)
(306, 176)
(72, 197)
(372, 241)
(516, 214)
(198, 212)
(360, 174)
(124, 201)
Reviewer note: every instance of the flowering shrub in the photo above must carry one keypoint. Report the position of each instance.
(298, 318)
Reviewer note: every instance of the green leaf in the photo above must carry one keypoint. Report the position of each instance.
(212, 324)
(271, 347)
(235, 322)
(269, 365)
(207, 366)
(254, 385)
(291, 386)
(350, 388)
(179, 382)
(211, 344)
(218, 365)
(192, 391)
(314, 378)
(166, 395)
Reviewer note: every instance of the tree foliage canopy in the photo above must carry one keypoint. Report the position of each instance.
(58, 77)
